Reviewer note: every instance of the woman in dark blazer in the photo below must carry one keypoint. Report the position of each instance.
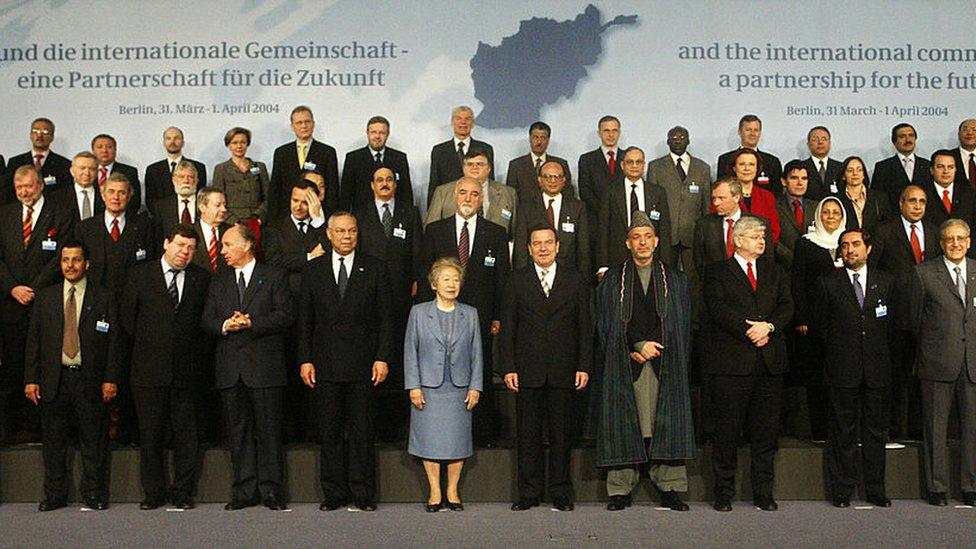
(243, 181)
(866, 208)
(442, 369)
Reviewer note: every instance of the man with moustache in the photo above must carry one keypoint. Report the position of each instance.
(160, 174)
(523, 172)
(750, 131)
(52, 168)
(181, 208)
(447, 158)
(498, 202)
(894, 173)
(361, 164)
(103, 146)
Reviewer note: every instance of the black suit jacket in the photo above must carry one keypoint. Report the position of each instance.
(892, 252)
(286, 248)
(789, 231)
(889, 176)
(167, 343)
(963, 204)
(357, 175)
(546, 340)
(574, 245)
(42, 359)
(33, 266)
(403, 252)
(709, 246)
(201, 256)
(876, 208)
(612, 224)
(594, 179)
(255, 356)
(445, 166)
(483, 284)
(523, 176)
(855, 338)
(56, 165)
(132, 174)
(159, 179)
(65, 196)
(111, 261)
(960, 168)
(818, 188)
(730, 301)
(772, 168)
(343, 336)
(286, 171)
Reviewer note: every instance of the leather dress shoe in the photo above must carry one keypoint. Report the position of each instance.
(723, 504)
(330, 505)
(51, 505)
(366, 506)
(433, 507)
(938, 499)
(524, 505)
(149, 504)
(619, 503)
(274, 503)
(238, 504)
(969, 498)
(563, 505)
(842, 502)
(879, 501)
(671, 500)
(766, 503)
(96, 504)
(453, 505)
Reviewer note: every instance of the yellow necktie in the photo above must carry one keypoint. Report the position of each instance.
(301, 156)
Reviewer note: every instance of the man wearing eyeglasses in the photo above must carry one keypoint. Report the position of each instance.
(54, 168)
(499, 201)
(822, 169)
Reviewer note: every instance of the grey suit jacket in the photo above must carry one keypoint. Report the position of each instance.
(684, 205)
(502, 203)
(523, 177)
(425, 345)
(944, 323)
(246, 193)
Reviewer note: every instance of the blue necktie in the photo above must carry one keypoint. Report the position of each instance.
(343, 277)
(858, 292)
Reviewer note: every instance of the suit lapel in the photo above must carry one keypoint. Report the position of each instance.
(970, 303)
(257, 280)
(438, 331)
(86, 306)
(948, 279)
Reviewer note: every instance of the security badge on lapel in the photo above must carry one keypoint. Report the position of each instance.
(310, 166)
(655, 215)
(568, 226)
(49, 244)
(881, 310)
(693, 188)
(141, 254)
(399, 232)
(763, 179)
(506, 214)
(50, 180)
(101, 326)
(489, 260)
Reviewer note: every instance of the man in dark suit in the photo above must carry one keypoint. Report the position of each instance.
(599, 168)
(946, 196)
(391, 230)
(822, 170)
(851, 321)
(360, 164)
(30, 233)
(568, 217)
(523, 172)
(894, 173)
(52, 167)
(160, 312)
(796, 212)
(899, 245)
(305, 153)
(103, 146)
(546, 349)
(159, 175)
(688, 184)
(71, 372)
(965, 154)
(749, 305)
(82, 198)
(620, 201)
(750, 130)
(181, 206)
(210, 226)
(345, 339)
(482, 248)
(446, 158)
(249, 309)
(943, 303)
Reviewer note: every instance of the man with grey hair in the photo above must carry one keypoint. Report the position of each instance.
(159, 174)
(181, 205)
(498, 202)
(211, 224)
(81, 198)
(943, 302)
(446, 158)
(749, 304)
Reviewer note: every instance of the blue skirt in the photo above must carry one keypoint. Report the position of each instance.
(442, 430)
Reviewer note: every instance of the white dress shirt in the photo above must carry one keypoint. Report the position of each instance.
(939, 189)
(557, 205)
(640, 195)
(80, 197)
(965, 155)
(908, 164)
(168, 276)
(745, 268)
(379, 207)
(108, 217)
(347, 259)
(919, 231)
(191, 204)
(952, 269)
(862, 277)
(550, 277)
(466, 141)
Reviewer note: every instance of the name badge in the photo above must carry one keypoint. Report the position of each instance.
(569, 227)
(309, 166)
(396, 176)
(399, 232)
(833, 188)
(257, 171)
(506, 215)
(881, 311)
(49, 245)
(50, 180)
(489, 261)
(101, 326)
(654, 215)
(694, 188)
(141, 255)
(763, 179)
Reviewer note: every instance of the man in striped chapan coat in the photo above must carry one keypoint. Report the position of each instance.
(643, 314)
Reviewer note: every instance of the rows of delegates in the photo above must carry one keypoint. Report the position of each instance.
(265, 308)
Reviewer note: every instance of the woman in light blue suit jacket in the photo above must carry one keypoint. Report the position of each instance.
(442, 369)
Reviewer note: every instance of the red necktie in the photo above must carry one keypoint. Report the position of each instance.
(751, 275)
(729, 245)
(185, 217)
(115, 230)
(38, 161)
(102, 175)
(28, 224)
(798, 213)
(612, 163)
(972, 169)
(916, 246)
(946, 202)
(463, 242)
(212, 249)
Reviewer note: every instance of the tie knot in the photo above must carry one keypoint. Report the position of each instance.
(115, 222)
(71, 289)
(749, 264)
(546, 271)
(678, 161)
(730, 222)
(465, 224)
(611, 154)
(551, 200)
(386, 206)
(856, 276)
(175, 272)
(342, 259)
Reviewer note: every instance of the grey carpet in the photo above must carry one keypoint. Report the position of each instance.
(796, 524)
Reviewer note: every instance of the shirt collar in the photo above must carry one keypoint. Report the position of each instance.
(902, 157)
(543, 157)
(109, 217)
(247, 269)
(862, 274)
(350, 258)
(952, 267)
(550, 271)
(79, 286)
(685, 159)
(379, 204)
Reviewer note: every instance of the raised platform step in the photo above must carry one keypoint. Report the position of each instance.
(490, 475)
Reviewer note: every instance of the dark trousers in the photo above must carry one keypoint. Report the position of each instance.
(16, 412)
(484, 417)
(809, 356)
(253, 419)
(904, 420)
(859, 411)
(533, 407)
(78, 401)
(163, 410)
(755, 397)
(346, 411)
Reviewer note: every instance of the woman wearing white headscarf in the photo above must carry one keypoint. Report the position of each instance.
(815, 255)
